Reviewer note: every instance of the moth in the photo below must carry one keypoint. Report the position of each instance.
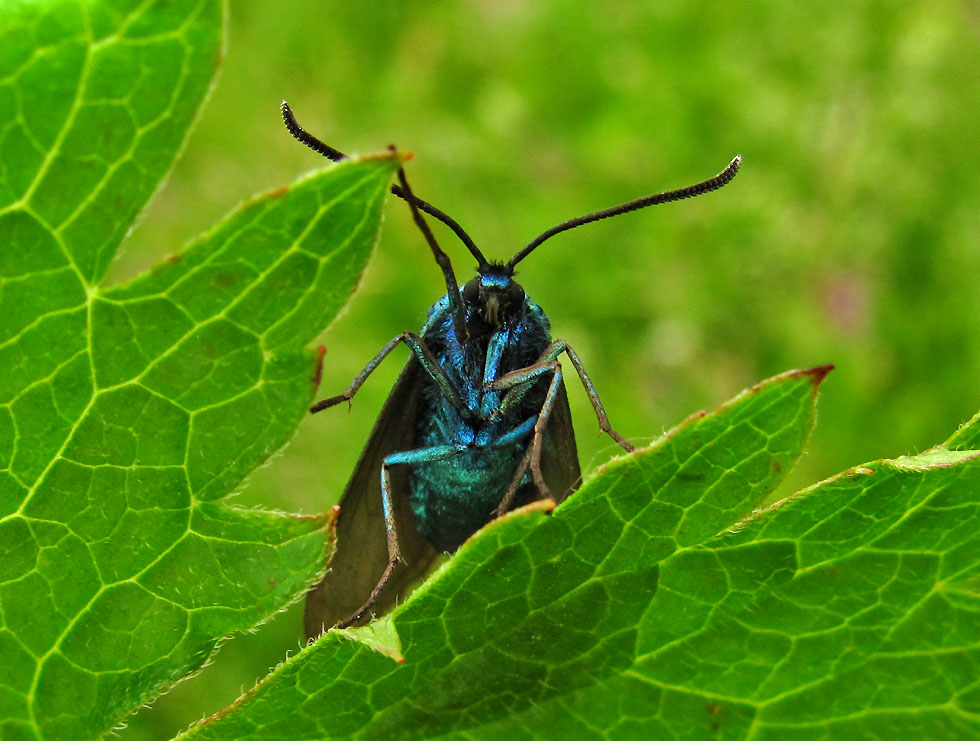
(477, 423)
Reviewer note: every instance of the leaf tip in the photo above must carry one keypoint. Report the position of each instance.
(391, 153)
(538, 506)
(379, 635)
(331, 518)
(818, 373)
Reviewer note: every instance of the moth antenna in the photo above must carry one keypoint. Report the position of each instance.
(721, 179)
(335, 155)
(442, 259)
(302, 135)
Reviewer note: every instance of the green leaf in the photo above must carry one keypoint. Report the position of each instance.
(967, 437)
(656, 603)
(128, 413)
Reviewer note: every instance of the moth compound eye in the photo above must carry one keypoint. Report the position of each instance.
(471, 291)
(515, 294)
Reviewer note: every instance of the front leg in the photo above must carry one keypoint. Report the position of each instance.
(429, 363)
(532, 458)
(518, 382)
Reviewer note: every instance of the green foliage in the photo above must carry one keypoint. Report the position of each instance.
(128, 412)
(658, 603)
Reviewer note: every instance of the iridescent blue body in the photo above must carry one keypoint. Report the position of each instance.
(452, 497)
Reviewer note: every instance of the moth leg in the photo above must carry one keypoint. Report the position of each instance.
(422, 455)
(421, 351)
(508, 501)
(532, 458)
(517, 383)
(590, 390)
(516, 435)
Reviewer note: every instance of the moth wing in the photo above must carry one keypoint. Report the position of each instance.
(361, 554)
(559, 456)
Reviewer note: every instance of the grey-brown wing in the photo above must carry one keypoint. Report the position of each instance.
(361, 554)
(559, 458)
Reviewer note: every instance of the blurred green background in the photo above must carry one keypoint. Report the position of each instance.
(850, 236)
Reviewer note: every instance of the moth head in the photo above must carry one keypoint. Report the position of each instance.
(494, 296)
